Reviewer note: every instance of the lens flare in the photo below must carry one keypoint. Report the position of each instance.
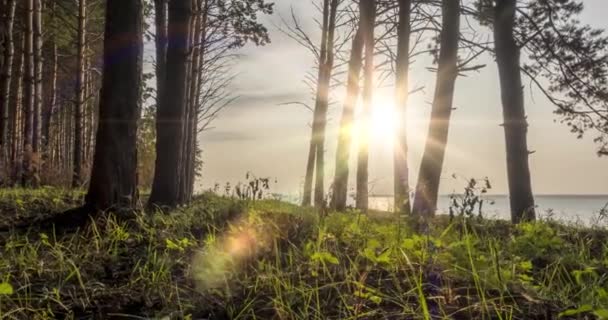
(223, 257)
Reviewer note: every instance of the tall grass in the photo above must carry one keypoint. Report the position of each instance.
(224, 258)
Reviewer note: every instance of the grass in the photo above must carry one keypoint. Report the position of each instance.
(222, 258)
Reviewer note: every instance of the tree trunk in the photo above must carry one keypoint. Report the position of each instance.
(28, 95)
(4, 17)
(52, 102)
(195, 77)
(369, 16)
(427, 188)
(193, 156)
(310, 164)
(340, 192)
(400, 163)
(171, 111)
(5, 83)
(190, 103)
(160, 19)
(15, 107)
(515, 124)
(38, 64)
(80, 96)
(114, 172)
(323, 100)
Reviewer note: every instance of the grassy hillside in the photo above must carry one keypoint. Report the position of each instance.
(222, 258)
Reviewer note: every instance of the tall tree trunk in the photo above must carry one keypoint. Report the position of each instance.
(171, 111)
(52, 104)
(195, 77)
(340, 192)
(52, 90)
(15, 107)
(400, 163)
(4, 17)
(28, 95)
(193, 156)
(190, 104)
(310, 164)
(5, 83)
(323, 100)
(38, 64)
(114, 172)
(88, 110)
(160, 19)
(515, 124)
(427, 188)
(369, 16)
(80, 95)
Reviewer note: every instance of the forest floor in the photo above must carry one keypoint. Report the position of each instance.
(222, 258)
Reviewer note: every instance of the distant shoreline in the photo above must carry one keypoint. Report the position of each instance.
(506, 195)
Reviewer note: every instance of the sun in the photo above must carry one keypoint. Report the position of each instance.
(383, 123)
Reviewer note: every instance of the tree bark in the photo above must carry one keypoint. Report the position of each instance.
(52, 102)
(15, 107)
(171, 111)
(185, 189)
(114, 173)
(368, 87)
(197, 54)
(5, 81)
(28, 95)
(80, 96)
(310, 164)
(38, 64)
(4, 17)
(400, 163)
(427, 188)
(515, 124)
(340, 192)
(160, 20)
(323, 100)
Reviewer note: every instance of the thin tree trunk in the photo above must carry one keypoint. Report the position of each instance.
(340, 191)
(427, 188)
(515, 124)
(194, 22)
(15, 107)
(80, 96)
(88, 110)
(38, 65)
(198, 100)
(368, 87)
(51, 108)
(310, 164)
(323, 100)
(160, 19)
(114, 172)
(28, 95)
(171, 112)
(195, 77)
(401, 168)
(310, 170)
(5, 84)
(4, 17)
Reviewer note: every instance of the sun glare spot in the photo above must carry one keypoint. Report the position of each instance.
(224, 255)
(383, 124)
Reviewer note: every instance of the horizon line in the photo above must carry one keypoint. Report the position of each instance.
(506, 194)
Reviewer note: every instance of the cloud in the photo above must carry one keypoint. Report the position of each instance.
(225, 135)
(270, 98)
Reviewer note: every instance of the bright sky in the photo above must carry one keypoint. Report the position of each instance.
(257, 134)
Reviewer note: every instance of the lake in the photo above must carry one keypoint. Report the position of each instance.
(571, 208)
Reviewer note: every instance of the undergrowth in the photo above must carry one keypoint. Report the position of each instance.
(222, 258)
